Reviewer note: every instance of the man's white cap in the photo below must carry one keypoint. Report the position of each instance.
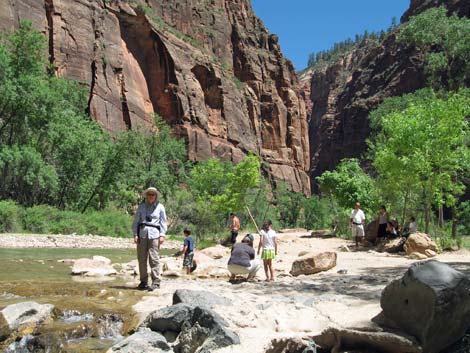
(151, 190)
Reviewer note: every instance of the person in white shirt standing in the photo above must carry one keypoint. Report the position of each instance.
(357, 221)
(149, 229)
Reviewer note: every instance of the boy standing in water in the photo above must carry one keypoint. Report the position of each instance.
(269, 244)
(188, 251)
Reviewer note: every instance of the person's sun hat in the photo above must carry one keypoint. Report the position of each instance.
(151, 190)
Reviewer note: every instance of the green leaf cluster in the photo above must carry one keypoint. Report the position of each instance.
(445, 40)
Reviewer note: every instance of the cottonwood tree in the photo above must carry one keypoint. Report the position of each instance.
(422, 151)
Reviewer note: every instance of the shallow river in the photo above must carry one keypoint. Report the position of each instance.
(89, 316)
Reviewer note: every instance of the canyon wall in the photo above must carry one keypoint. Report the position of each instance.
(342, 94)
(209, 68)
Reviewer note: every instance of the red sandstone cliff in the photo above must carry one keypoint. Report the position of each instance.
(342, 94)
(208, 67)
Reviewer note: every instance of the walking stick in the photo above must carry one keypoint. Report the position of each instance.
(251, 216)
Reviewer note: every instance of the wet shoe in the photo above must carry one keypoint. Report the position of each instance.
(153, 287)
(142, 286)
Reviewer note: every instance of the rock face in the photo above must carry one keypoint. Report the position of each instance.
(420, 243)
(92, 268)
(209, 68)
(431, 302)
(143, 341)
(195, 328)
(342, 94)
(199, 298)
(17, 316)
(313, 263)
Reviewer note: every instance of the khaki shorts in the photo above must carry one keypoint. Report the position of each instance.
(358, 230)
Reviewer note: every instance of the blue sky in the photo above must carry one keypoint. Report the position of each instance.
(306, 26)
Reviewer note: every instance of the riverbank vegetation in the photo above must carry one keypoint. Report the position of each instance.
(61, 173)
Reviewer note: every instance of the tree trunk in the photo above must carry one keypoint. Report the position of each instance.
(441, 216)
(455, 222)
(405, 206)
(427, 211)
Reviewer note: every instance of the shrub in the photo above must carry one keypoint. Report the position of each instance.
(10, 216)
(317, 213)
(109, 222)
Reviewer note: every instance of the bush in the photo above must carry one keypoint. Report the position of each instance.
(109, 222)
(10, 216)
(40, 219)
(289, 204)
(45, 219)
(318, 213)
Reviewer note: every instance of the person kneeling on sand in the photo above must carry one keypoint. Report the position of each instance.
(242, 259)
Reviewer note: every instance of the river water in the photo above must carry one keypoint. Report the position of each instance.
(89, 315)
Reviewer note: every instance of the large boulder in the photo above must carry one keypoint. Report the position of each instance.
(26, 314)
(313, 263)
(392, 246)
(199, 298)
(216, 252)
(92, 268)
(195, 328)
(419, 242)
(431, 302)
(143, 341)
(371, 230)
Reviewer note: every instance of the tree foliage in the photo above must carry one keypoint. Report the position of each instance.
(52, 153)
(422, 149)
(349, 184)
(446, 42)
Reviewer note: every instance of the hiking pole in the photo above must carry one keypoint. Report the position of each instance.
(251, 216)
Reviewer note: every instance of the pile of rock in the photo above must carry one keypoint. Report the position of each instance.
(185, 327)
(420, 246)
(206, 266)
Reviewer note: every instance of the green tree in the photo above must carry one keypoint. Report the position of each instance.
(349, 184)
(220, 188)
(446, 42)
(50, 151)
(422, 150)
(289, 205)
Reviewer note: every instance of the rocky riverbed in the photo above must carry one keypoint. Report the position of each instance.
(262, 314)
(72, 241)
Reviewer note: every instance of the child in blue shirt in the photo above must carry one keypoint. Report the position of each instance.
(188, 251)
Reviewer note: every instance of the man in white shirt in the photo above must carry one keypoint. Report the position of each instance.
(149, 230)
(357, 221)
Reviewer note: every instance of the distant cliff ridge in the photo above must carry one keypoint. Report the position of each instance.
(209, 68)
(341, 95)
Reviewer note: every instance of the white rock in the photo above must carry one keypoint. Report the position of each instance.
(102, 259)
(14, 316)
(92, 268)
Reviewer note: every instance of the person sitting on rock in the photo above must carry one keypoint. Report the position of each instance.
(242, 259)
(390, 231)
(397, 227)
(411, 228)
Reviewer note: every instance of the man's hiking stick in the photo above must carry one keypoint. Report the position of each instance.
(251, 216)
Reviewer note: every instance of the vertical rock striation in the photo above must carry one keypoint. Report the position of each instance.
(342, 94)
(209, 68)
